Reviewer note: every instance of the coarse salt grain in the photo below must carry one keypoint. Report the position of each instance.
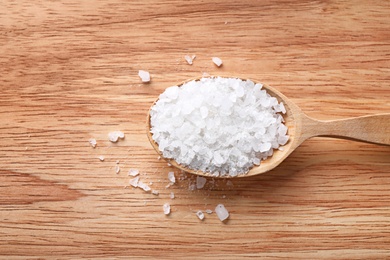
(144, 75)
(171, 177)
(133, 172)
(155, 192)
(209, 211)
(189, 58)
(200, 215)
(115, 135)
(200, 182)
(143, 186)
(167, 208)
(101, 158)
(172, 195)
(221, 211)
(134, 182)
(217, 61)
(222, 126)
(92, 142)
(117, 169)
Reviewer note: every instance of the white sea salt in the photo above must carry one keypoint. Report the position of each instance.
(144, 75)
(133, 172)
(155, 192)
(200, 182)
(217, 61)
(167, 208)
(115, 135)
(171, 177)
(189, 58)
(101, 158)
(143, 186)
(200, 215)
(208, 211)
(172, 195)
(117, 169)
(221, 211)
(92, 142)
(134, 182)
(222, 126)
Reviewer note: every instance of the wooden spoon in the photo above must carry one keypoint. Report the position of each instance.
(370, 129)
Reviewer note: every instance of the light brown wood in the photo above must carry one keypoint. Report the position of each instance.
(371, 129)
(68, 73)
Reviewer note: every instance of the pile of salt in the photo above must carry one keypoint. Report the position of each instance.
(223, 126)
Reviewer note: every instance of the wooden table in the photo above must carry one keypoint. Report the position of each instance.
(68, 73)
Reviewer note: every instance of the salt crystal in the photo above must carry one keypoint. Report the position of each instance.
(192, 187)
(159, 158)
(155, 192)
(167, 208)
(143, 186)
(189, 58)
(172, 195)
(93, 142)
(200, 182)
(171, 177)
(101, 158)
(221, 211)
(144, 75)
(229, 183)
(117, 169)
(217, 61)
(200, 215)
(209, 211)
(117, 162)
(133, 172)
(115, 135)
(134, 182)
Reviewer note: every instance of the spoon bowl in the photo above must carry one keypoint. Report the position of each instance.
(371, 129)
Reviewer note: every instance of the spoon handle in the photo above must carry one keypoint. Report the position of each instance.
(370, 129)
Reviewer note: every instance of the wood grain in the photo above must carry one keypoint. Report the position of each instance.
(68, 72)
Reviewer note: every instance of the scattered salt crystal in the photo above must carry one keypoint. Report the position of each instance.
(200, 215)
(221, 211)
(117, 162)
(143, 186)
(229, 183)
(93, 142)
(159, 158)
(169, 164)
(155, 192)
(189, 58)
(115, 135)
(217, 61)
(134, 182)
(101, 158)
(167, 208)
(209, 211)
(168, 185)
(172, 196)
(200, 182)
(171, 177)
(117, 169)
(144, 75)
(133, 172)
(192, 187)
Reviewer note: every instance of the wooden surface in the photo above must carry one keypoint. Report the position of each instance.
(68, 72)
